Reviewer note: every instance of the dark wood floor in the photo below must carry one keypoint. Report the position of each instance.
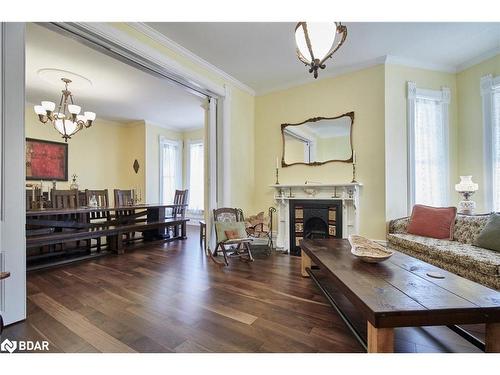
(163, 297)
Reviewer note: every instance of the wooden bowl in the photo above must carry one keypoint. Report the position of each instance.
(368, 251)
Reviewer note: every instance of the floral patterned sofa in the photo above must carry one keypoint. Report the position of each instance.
(458, 256)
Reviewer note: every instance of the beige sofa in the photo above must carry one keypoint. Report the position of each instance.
(458, 256)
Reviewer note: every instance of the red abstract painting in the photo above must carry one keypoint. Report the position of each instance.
(46, 160)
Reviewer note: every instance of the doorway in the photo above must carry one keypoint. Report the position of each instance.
(104, 39)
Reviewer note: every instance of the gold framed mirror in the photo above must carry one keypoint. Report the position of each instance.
(318, 140)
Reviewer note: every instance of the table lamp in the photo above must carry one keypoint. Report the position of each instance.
(467, 188)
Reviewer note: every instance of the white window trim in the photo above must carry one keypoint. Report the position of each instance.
(488, 85)
(178, 180)
(188, 158)
(443, 95)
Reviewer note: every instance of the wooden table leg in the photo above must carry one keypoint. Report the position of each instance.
(492, 338)
(380, 340)
(306, 263)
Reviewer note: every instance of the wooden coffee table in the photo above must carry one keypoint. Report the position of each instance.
(402, 292)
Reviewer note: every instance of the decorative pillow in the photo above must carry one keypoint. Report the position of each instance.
(489, 238)
(434, 222)
(232, 234)
(222, 226)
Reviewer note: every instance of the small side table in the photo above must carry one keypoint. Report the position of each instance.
(3, 275)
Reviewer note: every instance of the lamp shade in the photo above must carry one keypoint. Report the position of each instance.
(466, 185)
(39, 110)
(89, 116)
(321, 37)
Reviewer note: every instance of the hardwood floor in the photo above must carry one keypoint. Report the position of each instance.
(163, 297)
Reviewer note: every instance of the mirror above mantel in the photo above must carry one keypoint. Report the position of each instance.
(318, 140)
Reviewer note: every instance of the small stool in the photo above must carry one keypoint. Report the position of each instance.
(203, 234)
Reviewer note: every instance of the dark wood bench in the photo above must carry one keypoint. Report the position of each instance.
(112, 231)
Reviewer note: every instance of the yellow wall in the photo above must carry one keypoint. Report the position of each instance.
(361, 92)
(470, 123)
(102, 155)
(396, 78)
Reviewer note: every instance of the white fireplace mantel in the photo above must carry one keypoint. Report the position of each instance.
(348, 193)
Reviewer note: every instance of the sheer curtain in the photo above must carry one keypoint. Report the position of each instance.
(196, 178)
(169, 171)
(430, 153)
(496, 149)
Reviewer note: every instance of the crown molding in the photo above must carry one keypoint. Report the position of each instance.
(184, 52)
(478, 59)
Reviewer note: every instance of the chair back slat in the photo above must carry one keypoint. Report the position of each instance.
(180, 197)
(123, 197)
(65, 198)
(102, 198)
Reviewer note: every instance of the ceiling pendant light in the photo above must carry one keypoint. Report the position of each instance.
(318, 41)
(67, 120)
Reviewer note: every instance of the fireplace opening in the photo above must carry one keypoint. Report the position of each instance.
(314, 219)
(315, 228)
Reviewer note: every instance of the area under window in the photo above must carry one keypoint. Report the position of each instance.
(170, 169)
(428, 146)
(196, 178)
(490, 91)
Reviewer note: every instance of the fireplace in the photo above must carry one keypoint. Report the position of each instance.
(314, 219)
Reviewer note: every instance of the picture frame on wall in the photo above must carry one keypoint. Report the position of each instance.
(46, 160)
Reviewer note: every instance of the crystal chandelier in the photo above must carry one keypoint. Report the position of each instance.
(318, 41)
(67, 120)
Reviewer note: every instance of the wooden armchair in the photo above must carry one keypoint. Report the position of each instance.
(240, 246)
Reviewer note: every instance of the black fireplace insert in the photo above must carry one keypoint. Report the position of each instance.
(314, 219)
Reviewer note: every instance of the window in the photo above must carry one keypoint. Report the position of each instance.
(170, 169)
(428, 146)
(196, 178)
(490, 92)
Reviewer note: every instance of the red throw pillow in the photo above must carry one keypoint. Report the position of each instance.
(434, 222)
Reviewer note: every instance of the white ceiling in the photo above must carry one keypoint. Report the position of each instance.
(118, 92)
(262, 55)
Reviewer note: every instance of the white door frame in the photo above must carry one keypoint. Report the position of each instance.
(126, 48)
(12, 197)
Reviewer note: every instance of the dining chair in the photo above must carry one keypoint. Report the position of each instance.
(180, 198)
(66, 199)
(102, 198)
(125, 198)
